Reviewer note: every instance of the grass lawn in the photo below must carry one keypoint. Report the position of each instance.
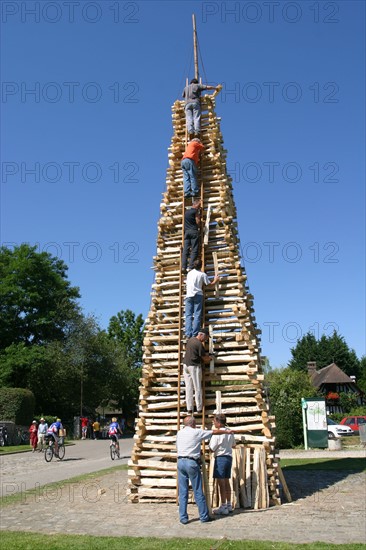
(11, 449)
(34, 541)
(351, 464)
(15, 449)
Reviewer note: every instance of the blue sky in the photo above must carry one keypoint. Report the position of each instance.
(86, 121)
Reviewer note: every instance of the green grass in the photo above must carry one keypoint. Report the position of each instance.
(34, 541)
(18, 497)
(12, 449)
(15, 449)
(340, 464)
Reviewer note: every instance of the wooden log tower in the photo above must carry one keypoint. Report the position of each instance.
(233, 384)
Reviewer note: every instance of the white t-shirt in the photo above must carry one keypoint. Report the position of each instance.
(189, 441)
(222, 445)
(195, 281)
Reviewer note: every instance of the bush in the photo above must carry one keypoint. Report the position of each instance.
(17, 405)
(286, 388)
(337, 417)
(357, 411)
(348, 401)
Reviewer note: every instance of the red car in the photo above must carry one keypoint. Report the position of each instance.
(354, 422)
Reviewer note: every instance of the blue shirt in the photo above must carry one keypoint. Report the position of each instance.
(114, 428)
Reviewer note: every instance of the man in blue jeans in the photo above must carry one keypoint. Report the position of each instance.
(189, 452)
(194, 297)
(192, 94)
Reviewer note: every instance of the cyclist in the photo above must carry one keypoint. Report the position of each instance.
(53, 431)
(113, 432)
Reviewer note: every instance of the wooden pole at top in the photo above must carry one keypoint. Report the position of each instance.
(196, 74)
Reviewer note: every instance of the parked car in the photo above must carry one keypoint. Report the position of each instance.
(337, 430)
(354, 422)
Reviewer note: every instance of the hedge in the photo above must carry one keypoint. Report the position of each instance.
(17, 405)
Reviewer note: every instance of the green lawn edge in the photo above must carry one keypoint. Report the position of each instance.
(335, 464)
(33, 541)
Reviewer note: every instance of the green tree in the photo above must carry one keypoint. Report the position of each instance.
(361, 381)
(36, 299)
(126, 331)
(326, 350)
(304, 351)
(82, 369)
(286, 388)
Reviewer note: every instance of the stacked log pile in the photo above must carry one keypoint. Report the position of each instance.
(236, 374)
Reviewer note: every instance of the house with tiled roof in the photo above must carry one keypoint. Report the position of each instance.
(331, 381)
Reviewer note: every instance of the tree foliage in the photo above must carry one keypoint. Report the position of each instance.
(16, 405)
(36, 299)
(286, 388)
(49, 347)
(126, 331)
(326, 350)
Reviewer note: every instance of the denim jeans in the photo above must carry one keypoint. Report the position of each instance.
(190, 184)
(189, 470)
(193, 310)
(193, 117)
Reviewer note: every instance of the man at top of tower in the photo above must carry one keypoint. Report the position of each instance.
(192, 220)
(189, 167)
(192, 94)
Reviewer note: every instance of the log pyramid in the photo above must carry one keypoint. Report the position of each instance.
(233, 384)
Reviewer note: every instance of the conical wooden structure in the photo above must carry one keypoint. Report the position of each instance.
(233, 384)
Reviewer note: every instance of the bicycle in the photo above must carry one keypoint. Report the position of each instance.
(51, 451)
(114, 450)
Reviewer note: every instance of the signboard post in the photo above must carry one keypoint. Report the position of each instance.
(316, 422)
(304, 406)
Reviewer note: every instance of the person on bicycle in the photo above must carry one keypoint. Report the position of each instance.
(53, 431)
(113, 432)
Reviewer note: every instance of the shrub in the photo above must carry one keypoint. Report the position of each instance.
(348, 401)
(286, 388)
(17, 405)
(337, 417)
(357, 411)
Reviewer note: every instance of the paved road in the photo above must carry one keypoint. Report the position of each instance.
(23, 471)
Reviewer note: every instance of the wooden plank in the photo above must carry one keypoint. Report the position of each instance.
(284, 484)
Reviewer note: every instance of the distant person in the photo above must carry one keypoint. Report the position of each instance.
(33, 430)
(192, 221)
(189, 166)
(192, 94)
(96, 429)
(114, 430)
(42, 433)
(222, 447)
(194, 298)
(84, 427)
(54, 431)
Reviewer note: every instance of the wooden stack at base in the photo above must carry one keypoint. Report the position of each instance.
(229, 313)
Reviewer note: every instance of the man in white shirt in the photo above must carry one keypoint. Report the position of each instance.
(42, 432)
(189, 452)
(222, 446)
(194, 298)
